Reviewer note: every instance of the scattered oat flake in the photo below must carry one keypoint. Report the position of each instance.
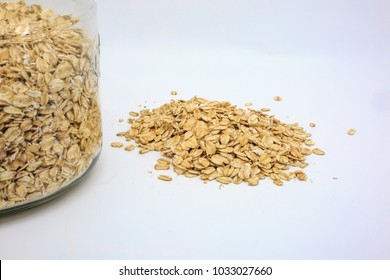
(319, 152)
(164, 161)
(144, 151)
(351, 131)
(164, 178)
(133, 114)
(129, 148)
(265, 109)
(309, 142)
(278, 182)
(278, 98)
(248, 104)
(312, 125)
(303, 165)
(116, 144)
(174, 93)
(159, 166)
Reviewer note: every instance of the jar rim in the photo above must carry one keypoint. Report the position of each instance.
(91, 7)
(85, 7)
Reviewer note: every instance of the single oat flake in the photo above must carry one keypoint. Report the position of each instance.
(351, 131)
(215, 140)
(319, 152)
(164, 178)
(134, 114)
(129, 148)
(116, 145)
(277, 98)
(160, 166)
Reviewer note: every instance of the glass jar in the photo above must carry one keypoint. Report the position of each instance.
(50, 121)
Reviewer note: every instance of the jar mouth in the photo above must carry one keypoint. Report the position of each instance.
(82, 14)
(83, 9)
(90, 8)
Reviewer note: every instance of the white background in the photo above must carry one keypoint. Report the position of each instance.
(330, 62)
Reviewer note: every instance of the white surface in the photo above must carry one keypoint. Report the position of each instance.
(329, 61)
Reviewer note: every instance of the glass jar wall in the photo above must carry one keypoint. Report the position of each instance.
(50, 121)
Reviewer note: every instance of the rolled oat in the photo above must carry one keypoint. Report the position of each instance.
(351, 131)
(215, 140)
(50, 127)
(164, 178)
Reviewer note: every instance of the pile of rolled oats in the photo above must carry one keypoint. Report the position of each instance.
(50, 123)
(218, 141)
